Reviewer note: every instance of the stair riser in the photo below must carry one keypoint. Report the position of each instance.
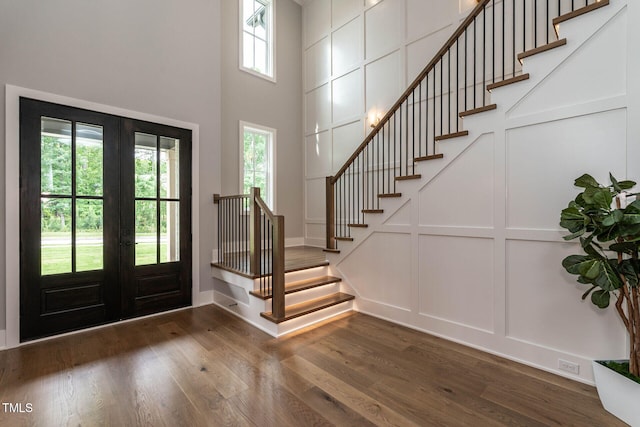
(317, 317)
(306, 295)
(309, 273)
(295, 276)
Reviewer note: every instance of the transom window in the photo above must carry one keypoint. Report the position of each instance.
(256, 37)
(257, 160)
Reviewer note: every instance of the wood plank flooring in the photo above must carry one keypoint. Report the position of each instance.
(204, 367)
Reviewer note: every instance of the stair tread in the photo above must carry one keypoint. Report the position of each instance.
(372, 211)
(452, 135)
(541, 49)
(478, 110)
(581, 11)
(390, 195)
(506, 82)
(358, 225)
(431, 157)
(408, 177)
(331, 251)
(299, 285)
(345, 239)
(297, 310)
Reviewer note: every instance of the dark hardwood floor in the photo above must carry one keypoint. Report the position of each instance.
(204, 367)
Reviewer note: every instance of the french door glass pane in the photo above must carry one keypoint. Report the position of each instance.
(169, 170)
(89, 168)
(55, 165)
(169, 231)
(146, 232)
(55, 249)
(146, 158)
(89, 236)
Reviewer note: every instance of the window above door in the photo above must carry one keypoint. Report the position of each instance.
(257, 37)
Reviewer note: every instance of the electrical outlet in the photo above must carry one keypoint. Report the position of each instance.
(570, 367)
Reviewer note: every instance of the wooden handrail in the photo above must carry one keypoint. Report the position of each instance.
(273, 242)
(445, 48)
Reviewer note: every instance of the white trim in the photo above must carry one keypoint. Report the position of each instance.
(272, 158)
(293, 241)
(12, 193)
(271, 44)
(3, 339)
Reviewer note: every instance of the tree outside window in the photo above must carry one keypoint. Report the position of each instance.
(256, 37)
(257, 162)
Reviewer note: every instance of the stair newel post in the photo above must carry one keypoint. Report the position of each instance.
(278, 268)
(330, 217)
(254, 232)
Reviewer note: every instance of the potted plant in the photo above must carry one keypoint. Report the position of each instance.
(606, 219)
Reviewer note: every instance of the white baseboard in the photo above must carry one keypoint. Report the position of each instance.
(319, 243)
(293, 241)
(3, 339)
(203, 298)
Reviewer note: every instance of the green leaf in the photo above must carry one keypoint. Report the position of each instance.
(600, 298)
(633, 218)
(627, 269)
(573, 219)
(590, 269)
(586, 181)
(584, 280)
(624, 247)
(603, 198)
(586, 294)
(587, 245)
(613, 218)
(607, 278)
(614, 183)
(572, 263)
(574, 235)
(626, 185)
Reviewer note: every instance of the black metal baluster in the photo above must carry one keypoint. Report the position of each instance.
(504, 5)
(449, 90)
(420, 120)
(475, 66)
(493, 41)
(524, 25)
(484, 55)
(457, 83)
(514, 37)
(465, 69)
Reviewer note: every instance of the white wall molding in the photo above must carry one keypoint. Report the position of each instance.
(507, 295)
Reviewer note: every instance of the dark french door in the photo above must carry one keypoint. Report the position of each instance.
(105, 218)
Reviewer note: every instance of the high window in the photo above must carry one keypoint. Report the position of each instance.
(257, 37)
(257, 161)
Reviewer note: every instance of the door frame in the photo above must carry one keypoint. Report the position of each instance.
(12, 197)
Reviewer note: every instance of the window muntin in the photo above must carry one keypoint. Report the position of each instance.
(257, 160)
(257, 37)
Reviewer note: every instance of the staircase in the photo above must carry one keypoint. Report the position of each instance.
(434, 121)
(487, 52)
(275, 288)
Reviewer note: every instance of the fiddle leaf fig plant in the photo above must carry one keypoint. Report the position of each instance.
(606, 220)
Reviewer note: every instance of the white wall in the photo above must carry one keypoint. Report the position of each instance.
(157, 57)
(359, 56)
(276, 105)
(472, 252)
